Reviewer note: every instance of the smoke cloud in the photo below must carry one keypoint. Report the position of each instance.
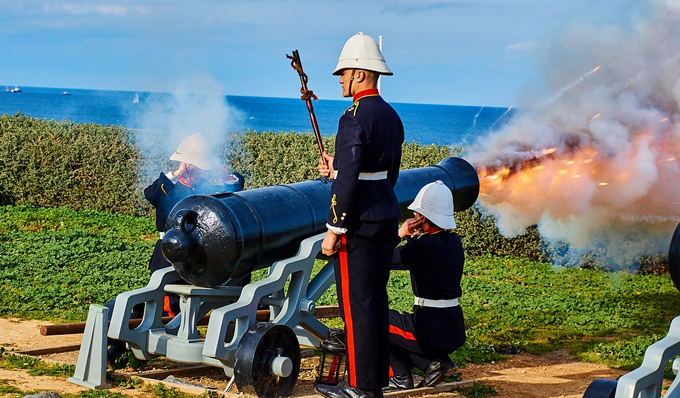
(195, 104)
(594, 159)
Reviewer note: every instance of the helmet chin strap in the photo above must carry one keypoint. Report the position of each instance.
(351, 80)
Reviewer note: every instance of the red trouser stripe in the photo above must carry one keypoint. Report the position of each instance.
(402, 333)
(349, 323)
(166, 306)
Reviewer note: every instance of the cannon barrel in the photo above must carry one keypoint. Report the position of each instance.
(211, 238)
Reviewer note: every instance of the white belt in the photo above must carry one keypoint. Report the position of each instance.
(378, 175)
(161, 234)
(423, 302)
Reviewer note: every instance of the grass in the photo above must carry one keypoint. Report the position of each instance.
(55, 262)
(34, 366)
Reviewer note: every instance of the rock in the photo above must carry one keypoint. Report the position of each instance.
(47, 394)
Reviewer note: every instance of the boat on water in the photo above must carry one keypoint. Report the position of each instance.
(136, 99)
(16, 89)
(65, 93)
(7, 89)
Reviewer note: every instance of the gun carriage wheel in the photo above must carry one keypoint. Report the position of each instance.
(267, 361)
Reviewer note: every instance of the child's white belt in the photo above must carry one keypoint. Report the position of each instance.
(423, 302)
(378, 175)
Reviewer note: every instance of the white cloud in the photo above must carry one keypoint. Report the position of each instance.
(88, 9)
(523, 47)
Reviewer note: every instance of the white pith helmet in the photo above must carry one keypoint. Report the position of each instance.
(435, 202)
(193, 150)
(362, 52)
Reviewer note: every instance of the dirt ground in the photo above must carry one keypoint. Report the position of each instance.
(553, 375)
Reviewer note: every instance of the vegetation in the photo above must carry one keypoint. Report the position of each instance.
(35, 366)
(55, 262)
(75, 230)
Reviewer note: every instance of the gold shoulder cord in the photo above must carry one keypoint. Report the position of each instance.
(163, 189)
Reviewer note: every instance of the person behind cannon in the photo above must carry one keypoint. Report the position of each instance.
(363, 216)
(190, 178)
(433, 253)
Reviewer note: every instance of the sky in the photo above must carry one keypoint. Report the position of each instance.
(457, 52)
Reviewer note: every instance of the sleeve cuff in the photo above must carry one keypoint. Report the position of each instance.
(336, 230)
(171, 176)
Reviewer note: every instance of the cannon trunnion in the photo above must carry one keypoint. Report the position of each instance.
(210, 239)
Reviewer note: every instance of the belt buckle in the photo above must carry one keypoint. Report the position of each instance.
(422, 302)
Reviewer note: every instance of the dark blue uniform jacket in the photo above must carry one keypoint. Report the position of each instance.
(370, 134)
(435, 262)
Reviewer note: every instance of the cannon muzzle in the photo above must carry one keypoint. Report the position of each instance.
(211, 238)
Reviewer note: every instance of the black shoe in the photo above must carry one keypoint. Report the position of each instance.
(116, 348)
(399, 382)
(436, 371)
(344, 392)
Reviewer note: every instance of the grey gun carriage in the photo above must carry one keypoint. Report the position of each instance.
(213, 242)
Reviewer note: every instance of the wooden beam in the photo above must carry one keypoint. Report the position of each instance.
(439, 388)
(51, 350)
(321, 312)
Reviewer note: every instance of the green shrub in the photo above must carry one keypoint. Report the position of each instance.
(105, 168)
(53, 164)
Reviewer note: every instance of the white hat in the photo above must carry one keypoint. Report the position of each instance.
(435, 202)
(362, 52)
(193, 150)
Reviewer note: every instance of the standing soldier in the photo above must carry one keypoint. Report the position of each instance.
(363, 217)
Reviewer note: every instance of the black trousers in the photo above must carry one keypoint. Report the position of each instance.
(405, 351)
(362, 269)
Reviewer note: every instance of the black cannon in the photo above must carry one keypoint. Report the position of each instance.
(210, 239)
(212, 242)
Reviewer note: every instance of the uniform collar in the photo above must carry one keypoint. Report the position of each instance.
(433, 230)
(186, 182)
(365, 93)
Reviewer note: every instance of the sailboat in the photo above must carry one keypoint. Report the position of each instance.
(6, 89)
(136, 99)
(16, 89)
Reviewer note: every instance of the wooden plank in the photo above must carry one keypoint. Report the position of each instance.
(75, 328)
(439, 388)
(321, 312)
(327, 311)
(158, 374)
(51, 350)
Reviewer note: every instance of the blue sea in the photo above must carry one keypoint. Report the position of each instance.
(424, 124)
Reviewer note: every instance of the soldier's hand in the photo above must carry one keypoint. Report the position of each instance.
(325, 166)
(330, 244)
(410, 227)
(181, 170)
